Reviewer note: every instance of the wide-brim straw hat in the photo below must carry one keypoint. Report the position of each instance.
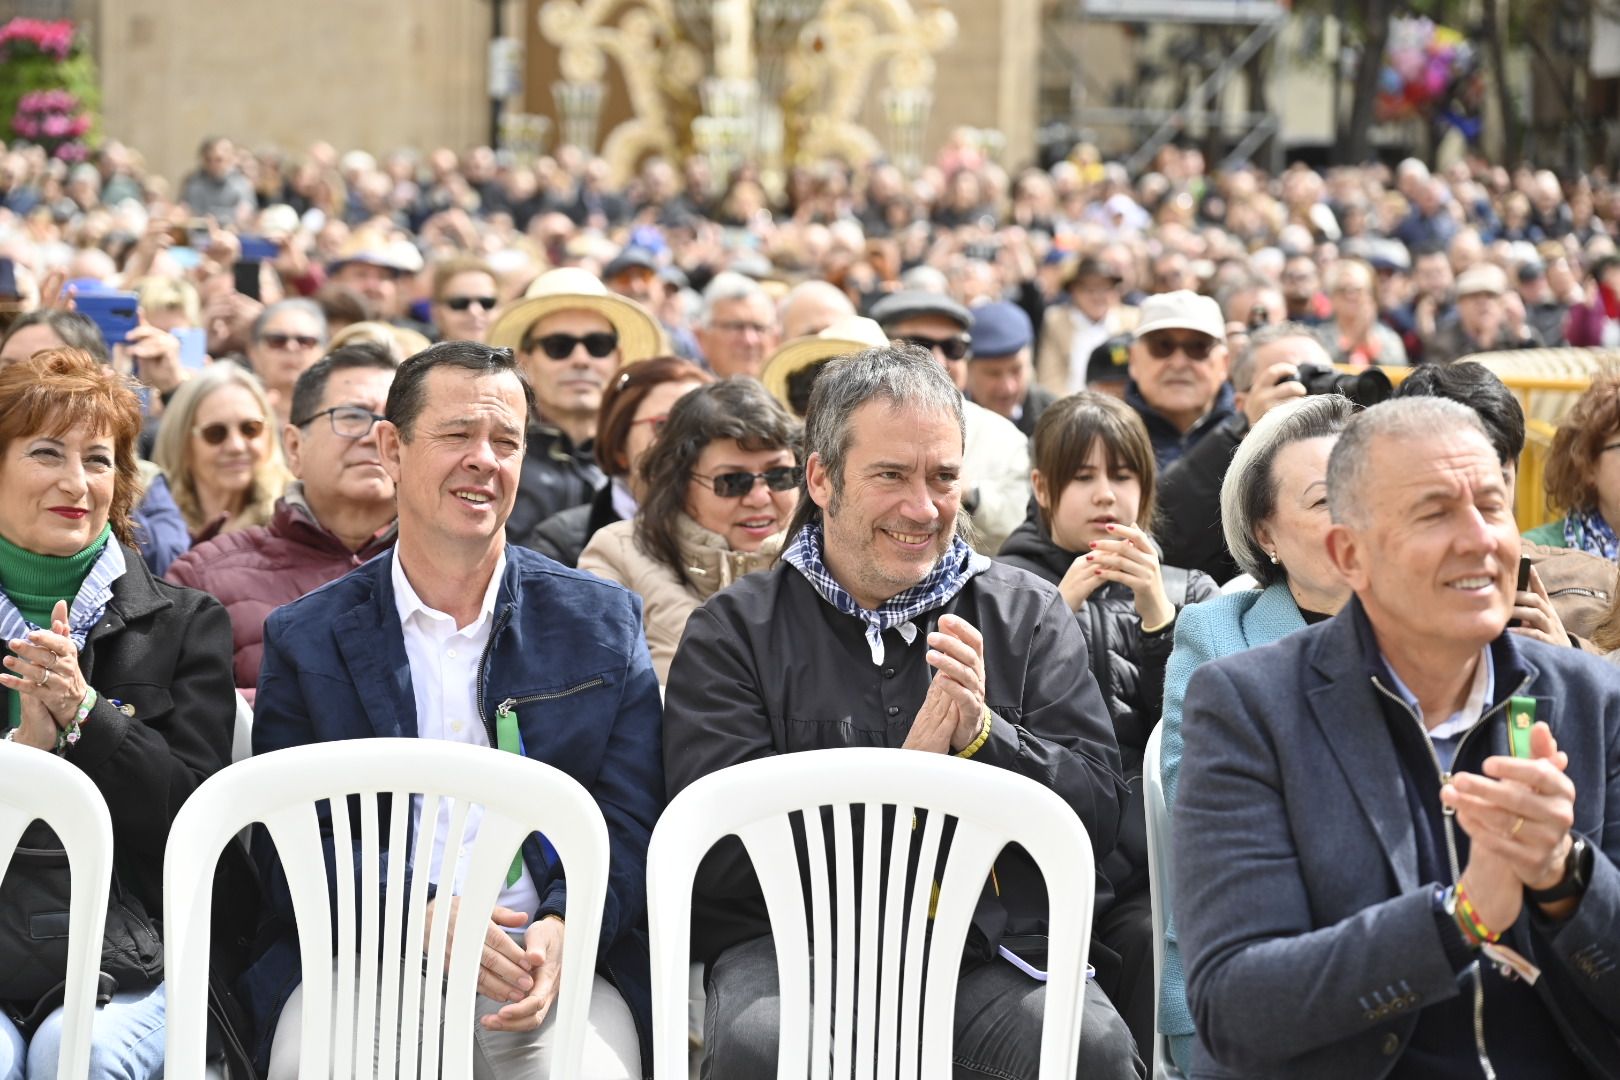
(850, 334)
(569, 288)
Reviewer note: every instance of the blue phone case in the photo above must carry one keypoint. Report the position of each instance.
(114, 313)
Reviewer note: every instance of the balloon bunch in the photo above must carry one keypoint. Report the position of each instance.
(1424, 66)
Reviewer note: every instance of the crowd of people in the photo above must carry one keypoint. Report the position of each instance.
(645, 481)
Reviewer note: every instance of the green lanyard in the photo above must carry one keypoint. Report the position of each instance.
(507, 738)
(1521, 718)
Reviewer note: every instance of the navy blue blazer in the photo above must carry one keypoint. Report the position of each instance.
(1298, 897)
(567, 646)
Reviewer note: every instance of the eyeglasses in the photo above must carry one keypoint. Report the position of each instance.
(562, 346)
(215, 434)
(348, 421)
(734, 485)
(951, 348)
(657, 422)
(462, 303)
(1163, 347)
(283, 341)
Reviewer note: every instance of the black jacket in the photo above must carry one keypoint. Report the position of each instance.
(563, 535)
(1189, 520)
(1128, 664)
(556, 475)
(160, 661)
(754, 676)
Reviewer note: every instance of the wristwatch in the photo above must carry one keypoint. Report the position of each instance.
(1577, 875)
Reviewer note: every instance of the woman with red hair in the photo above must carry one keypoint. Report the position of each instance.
(124, 676)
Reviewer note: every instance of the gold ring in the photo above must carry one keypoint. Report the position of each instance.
(1517, 825)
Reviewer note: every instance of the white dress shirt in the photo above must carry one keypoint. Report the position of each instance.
(444, 679)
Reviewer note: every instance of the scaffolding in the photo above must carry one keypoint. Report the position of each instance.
(1200, 109)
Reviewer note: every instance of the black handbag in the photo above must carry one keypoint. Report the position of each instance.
(34, 902)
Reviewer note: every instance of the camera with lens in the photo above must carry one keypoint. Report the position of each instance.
(1365, 388)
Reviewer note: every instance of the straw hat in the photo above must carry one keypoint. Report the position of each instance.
(850, 334)
(569, 288)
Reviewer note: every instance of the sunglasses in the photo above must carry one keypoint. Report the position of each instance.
(562, 346)
(1163, 347)
(462, 303)
(952, 348)
(282, 341)
(215, 434)
(734, 485)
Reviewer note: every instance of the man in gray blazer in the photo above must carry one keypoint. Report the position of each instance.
(1397, 831)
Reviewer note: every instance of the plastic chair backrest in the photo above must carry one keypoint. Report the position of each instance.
(400, 1003)
(35, 784)
(242, 736)
(901, 1032)
(1160, 887)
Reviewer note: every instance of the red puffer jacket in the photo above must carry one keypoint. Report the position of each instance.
(257, 570)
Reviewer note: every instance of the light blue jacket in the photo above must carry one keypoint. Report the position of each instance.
(1216, 628)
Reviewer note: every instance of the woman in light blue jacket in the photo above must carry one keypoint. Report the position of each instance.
(1274, 514)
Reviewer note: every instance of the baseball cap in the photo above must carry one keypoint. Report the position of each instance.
(1181, 310)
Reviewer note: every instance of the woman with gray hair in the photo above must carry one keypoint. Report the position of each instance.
(1274, 511)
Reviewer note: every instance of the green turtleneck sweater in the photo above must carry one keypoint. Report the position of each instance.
(34, 583)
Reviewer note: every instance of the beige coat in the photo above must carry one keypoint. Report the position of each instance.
(666, 599)
(1054, 366)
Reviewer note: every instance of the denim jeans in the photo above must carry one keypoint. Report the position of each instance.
(126, 1041)
(997, 1030)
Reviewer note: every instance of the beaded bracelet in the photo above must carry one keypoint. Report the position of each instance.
(70, 736)
(984, 734)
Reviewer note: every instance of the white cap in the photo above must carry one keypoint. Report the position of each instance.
(1181, 310)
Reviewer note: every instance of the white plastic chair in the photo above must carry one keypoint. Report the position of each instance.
(885, 1018)
(1159, 888)
(281, 790)
(242, 735)
(35, 784)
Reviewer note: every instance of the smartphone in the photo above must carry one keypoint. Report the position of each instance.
(8, 280)
(246, 273)
(1523, 584)
(114, 313)
(258, 249)
(193, 347)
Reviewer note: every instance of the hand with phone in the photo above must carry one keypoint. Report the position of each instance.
(1533, 613)
(154, 357)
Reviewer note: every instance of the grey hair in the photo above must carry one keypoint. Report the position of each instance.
(925, 278)
(1398, 418)
(905, 376)
(727, 285)
(1242, 372)
(1249, 491)
(308, 307)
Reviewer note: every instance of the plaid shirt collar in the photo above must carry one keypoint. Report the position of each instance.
(949, 575)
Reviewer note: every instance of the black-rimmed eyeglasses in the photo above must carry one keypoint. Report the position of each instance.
(348, 421)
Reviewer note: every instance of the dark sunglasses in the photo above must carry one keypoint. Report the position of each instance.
(734, 485)
(462, 303)
(952, 348)
(214, 434)
(562, 346)
(282, 341)
(1163, 347)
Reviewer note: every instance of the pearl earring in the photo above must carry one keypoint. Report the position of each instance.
(1274, 560)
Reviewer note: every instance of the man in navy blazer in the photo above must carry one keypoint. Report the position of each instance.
(437, 639)
(1370, 882)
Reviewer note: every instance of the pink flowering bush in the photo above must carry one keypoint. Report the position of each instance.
(48, 91)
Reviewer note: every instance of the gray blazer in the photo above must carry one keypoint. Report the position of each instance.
(1297, 890)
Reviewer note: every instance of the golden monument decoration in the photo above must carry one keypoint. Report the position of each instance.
(769, 81)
